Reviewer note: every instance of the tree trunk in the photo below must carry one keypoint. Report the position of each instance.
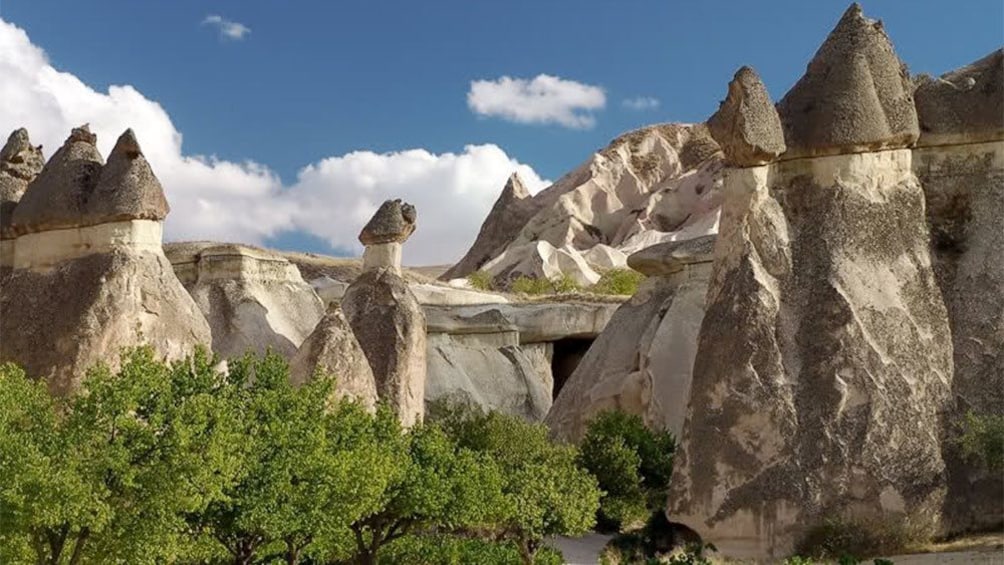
(527, 551)
(78, 546)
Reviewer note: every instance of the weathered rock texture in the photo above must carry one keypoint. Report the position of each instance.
(960, 163)
(824, 358)
(391, 225)
(85, 285)
(332, 349)
(390, 326)
(642, 362)
(855, 96)
(254, 299)
(20, 163)
(659, 183)
(746, 126)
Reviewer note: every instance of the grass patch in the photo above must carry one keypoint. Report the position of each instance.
(536, 286)
(621, 282)
(850, 541)
(481, 280)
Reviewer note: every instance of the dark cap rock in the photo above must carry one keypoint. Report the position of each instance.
(127, 188)
(963, 106)
(394, 221)
(746, 125)
(672, 256)
(20, 163)
(855, 96)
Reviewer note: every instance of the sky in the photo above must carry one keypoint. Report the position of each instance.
(287, 123)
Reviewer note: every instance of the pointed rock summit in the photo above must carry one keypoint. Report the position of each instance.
(20, 163)
(963, 106)
(508, 215)
(855, 96)
(746, 125)
(56, 198)
(127, 188)
(393, 222)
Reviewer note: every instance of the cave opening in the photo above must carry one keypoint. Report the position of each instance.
(566, 357)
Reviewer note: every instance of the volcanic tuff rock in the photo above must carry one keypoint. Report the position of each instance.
(746, 126)
(84, 285)
(961, 167)
(824, 358)
(253, 299)
(641, 362)
(393, 222)
(332, 349)
(659, 183)
(390, 326)
(20, 163)
(855, 96)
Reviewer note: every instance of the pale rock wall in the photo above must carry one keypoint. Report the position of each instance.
(44, 250)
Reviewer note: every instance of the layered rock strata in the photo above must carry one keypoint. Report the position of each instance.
(20, 163)
(89, 276)
(824, 358)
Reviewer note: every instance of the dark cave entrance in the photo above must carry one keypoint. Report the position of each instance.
(566, 357)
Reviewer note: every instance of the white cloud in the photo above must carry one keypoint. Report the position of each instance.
(247, 202)
(545, 99)
(228, 29)
(641, 103)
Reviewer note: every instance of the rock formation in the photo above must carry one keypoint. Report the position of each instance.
(659, 183)
(641, 363)
(20, 163)
(390, 326)
(89, 276)
(824, 358)
(333, 349)
(383, 235)
(959, 159)
(254, 299)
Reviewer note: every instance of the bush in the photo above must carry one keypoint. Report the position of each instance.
(850, 541)
(481, 280)
(618, 282)
(536, 286)
(632, 465)
(983, 439)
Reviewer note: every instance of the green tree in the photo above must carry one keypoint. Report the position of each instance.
(437, 485)
(307, 467)
(108, 475)
(632, 464)
(546, 493)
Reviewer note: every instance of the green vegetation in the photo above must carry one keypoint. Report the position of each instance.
(982, 439)
(481, 280)
(850, 541)
(536, 286)
(182, 463)
(618, 282)
(632, 465)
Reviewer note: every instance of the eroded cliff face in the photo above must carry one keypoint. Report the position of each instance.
(824, 360)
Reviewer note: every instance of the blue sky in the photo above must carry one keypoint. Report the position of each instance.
(315, 79)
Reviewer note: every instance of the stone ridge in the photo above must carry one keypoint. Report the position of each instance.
(856, 95)
(671, 256)
(746, 125)
(963, 106)
(77, 189)
(20, 163)
(393, 222)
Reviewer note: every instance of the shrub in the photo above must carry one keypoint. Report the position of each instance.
(536, 286)
(632, 465)
(983, 439)
(481, 280)
(618, 282)
(439, 549)
(850, 541)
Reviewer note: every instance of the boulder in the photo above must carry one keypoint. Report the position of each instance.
(746, 125)
(393, 222)
(963, 106)
(641, 362)
(390, 326)
(332, 349)
(855, 95)
(254, 299)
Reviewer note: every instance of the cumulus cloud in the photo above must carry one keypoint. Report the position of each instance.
(247, 202)
(641, 103)
(545, 99)
(228, 29)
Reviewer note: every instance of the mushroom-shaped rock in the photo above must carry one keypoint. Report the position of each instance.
(56, 198)
(746, 125)
(855, 96)
(508, 215)
(671, 257)
(127, 188)
(963, 106)
(20, 163)
(389, 323)
(393, 222)
(333, 349)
